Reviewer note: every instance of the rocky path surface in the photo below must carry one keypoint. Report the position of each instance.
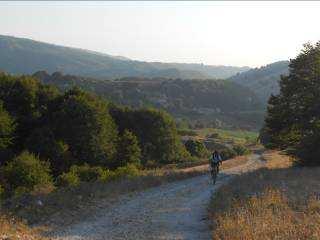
(173, 211)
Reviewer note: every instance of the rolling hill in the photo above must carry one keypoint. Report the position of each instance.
(264, 81)
(25, 56)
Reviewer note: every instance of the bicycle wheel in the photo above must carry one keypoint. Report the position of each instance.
(211, 173)
(214, 175)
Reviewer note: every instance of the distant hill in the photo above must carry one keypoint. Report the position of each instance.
(264, 80)
(218, 72)
(209, 101)
(25, 56)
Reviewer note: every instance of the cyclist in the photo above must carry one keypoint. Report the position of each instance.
(215, 162)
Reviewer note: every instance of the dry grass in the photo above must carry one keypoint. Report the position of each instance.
(276, 160)
(234, 162)
(11, 229)
(275, 202)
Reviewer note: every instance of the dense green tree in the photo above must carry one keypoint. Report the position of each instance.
(156, 131)
(27, 102)
(88, 173)
(7, 127)
(196, 148)
(293, 116)
(42, 142)
(240, 150)
(129, 151)
(84, 123)
(19, 96)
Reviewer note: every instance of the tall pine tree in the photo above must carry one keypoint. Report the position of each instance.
(293, 119)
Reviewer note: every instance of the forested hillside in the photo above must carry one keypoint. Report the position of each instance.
(25, 56)
(214, 103)
(264, 81)
(51, 137)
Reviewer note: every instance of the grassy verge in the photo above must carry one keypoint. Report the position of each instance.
(67, 205)
(278, 201)
(16, 230)
(234, 162)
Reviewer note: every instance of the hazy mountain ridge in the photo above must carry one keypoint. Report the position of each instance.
(211, 71)
(25, 56)
(264, 81)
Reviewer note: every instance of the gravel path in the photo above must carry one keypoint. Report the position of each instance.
(173, 211)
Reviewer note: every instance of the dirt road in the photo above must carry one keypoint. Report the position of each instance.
(173, 211)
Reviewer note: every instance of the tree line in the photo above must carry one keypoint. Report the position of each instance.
(46, 133)
(209, 103)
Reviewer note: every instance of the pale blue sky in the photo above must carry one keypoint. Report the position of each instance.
(217, 33)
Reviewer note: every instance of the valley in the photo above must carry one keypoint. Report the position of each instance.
(203, 95)
(101, 146)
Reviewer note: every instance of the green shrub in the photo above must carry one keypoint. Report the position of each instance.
(127, 171)
(241, 150)
(196, 148)
(83, 173)
(69, 179)
(187, 132)
(87, 173)
(213, 135)
(25, 172)
(228, 153)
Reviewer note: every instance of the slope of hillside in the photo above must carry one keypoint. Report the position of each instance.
(25, 56)
(211, 71)
(210, 101)
(264, 80)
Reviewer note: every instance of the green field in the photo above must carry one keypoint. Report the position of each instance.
(236, 136)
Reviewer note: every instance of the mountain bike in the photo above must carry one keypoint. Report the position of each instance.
(214, 170)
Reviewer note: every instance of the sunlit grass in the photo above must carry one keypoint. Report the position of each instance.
(276, 202)
(70, 204)
(237, 136)
(12, 229)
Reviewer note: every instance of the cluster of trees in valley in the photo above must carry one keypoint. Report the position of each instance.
(293, 116)
(238, 101)
(214, 103)
(48, 136)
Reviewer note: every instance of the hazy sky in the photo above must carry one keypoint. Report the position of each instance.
(218, 33)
